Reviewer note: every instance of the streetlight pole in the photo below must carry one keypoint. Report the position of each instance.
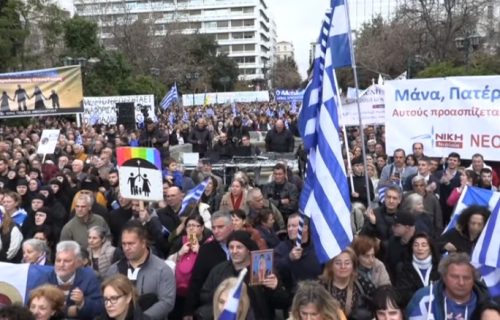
(192, 77)
(467, 44)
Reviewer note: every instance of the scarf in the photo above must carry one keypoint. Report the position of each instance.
(423, 266)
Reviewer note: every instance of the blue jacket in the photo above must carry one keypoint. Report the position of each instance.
(86, 280)
(418, 307)
(291, 272)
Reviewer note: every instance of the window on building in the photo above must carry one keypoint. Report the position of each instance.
(224, 49)
(195, 24)
(248, 22)
(222, 36)
(249, 71)
(194, 12)
(249, 47)
(248, 35)
(237, 23)
(248, 10)
(238, 47)
(222, 24)
(237, 35)
(210, 24)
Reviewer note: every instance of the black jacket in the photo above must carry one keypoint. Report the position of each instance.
(408, 281)
(263, 300)
(200, 139)
(279, 141)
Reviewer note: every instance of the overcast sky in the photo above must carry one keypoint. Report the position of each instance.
(299, 22)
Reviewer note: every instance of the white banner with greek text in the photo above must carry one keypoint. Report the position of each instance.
(371, 103)
(102, 110)
(455, 114)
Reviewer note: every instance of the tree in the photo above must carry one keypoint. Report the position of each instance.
(285, 74)
(12, 35)
(80, 38)
(224, 73)
(44, 24)
(105, 77)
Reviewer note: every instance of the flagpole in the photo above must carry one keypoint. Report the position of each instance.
(341, 114)
(356, 86)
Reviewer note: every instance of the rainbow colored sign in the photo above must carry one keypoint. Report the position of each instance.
(149, 154)
(140, 173)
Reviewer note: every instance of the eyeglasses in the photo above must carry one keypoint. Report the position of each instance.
(112, 299)
(342, 263)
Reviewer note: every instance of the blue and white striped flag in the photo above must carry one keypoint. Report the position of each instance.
(185, 117)
(230, 311)
(298, 241)
(472, 196)
(381, 194)
(169, 98)
(194, 195)
(233, 109)
(171, 118)
(486, 254)
(281, 113)
(340, 33)
(325, 198)
(79, 139)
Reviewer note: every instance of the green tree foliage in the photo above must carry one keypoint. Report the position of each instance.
(52, 28)
(481, 65)
(285, 74)
(223, 68)
(80, 37)
(140, 84)
(12, 35)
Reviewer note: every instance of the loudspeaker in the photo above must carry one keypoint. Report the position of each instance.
(126, 114)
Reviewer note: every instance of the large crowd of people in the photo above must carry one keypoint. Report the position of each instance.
(117, 258)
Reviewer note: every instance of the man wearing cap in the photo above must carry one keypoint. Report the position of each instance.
(263, 297)
(398, 250)
(77, 228)
(358, 182)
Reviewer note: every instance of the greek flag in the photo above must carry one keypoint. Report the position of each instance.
(325, 198)
(340, 34)
(79, 139)
(193, 195)
(381, 194)
(171, 118)
(233, 109)
(230, 311)
(169, 98)
(472, 196)
(293, 107)
(486, 254)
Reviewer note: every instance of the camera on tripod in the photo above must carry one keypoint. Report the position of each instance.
(145, 111)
